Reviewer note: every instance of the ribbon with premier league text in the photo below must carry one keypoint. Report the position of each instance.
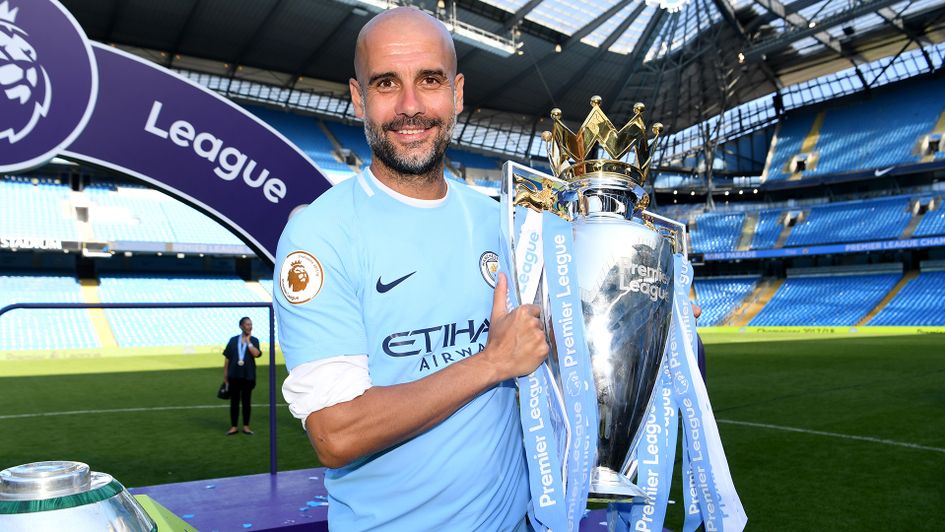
(574, 363)
(708, 491)
(544, 429)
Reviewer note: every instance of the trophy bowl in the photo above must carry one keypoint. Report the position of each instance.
(59, 495)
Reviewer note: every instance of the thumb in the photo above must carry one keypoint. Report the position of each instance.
(500, 305)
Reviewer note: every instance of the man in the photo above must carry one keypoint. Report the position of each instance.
(399, 343)
(239, 373)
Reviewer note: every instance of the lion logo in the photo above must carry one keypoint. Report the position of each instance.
(25, 91)
(300, 277)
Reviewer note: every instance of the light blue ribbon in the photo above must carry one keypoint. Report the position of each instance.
(543, 427)
(574, 363)
(700, 490)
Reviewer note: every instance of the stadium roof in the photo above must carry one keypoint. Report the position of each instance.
(688, 60)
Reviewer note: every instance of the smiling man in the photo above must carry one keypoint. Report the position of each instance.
(399, 344)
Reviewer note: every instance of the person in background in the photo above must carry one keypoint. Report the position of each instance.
(239, 373)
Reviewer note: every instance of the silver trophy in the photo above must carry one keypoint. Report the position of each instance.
(624, 261)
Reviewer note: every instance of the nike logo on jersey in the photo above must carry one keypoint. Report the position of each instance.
(384, 287)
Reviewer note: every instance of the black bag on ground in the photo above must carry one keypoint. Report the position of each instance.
(224, 391)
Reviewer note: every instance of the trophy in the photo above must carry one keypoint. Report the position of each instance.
(622, 258)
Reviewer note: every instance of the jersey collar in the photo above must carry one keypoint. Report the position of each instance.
(367, 180)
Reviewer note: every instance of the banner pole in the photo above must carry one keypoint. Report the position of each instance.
(272, 391)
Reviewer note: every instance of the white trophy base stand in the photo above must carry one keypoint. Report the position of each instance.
(609, 486)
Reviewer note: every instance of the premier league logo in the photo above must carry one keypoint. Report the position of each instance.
(23, 79)
(48, 82)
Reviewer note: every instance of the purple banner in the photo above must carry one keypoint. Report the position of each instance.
(154, 125)
(61, 94)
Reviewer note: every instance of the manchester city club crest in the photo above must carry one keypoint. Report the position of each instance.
(488, 266)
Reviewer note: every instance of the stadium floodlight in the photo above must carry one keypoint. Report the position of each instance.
(461, 31)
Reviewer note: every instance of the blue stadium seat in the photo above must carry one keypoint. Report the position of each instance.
(918, 303)
(717, 232)
(932, 224)
(835, 300)
(767, 231)
(719, 296)
(179, 327)
(352, 138)
(473, 160)
(36, 211)
(855, 221)
(863, 134)
(794, 129)
(44, 329)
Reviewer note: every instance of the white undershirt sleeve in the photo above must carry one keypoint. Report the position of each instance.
(319, 384)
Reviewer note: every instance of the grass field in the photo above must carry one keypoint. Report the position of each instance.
(845, 432)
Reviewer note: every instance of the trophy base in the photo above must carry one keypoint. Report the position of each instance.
(610, 486)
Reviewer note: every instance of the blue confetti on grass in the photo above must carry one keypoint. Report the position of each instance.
(303, 509)
(247, 525)
(210, 486)
(188, 516)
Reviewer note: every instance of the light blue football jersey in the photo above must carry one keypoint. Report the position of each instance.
(361, 271)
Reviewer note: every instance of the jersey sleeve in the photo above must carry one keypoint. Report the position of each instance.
(316, 291)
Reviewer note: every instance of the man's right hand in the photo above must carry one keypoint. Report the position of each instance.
(517, 343)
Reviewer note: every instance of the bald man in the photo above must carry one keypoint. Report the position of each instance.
(400, 347)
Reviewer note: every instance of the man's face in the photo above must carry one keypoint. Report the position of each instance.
(246, 326)
(408, 95)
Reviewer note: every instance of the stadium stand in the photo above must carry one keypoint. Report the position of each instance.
(793, 131)
(856, 221)
(127, 214)
(860, 134)
(767, 230)
(719, 296)
(41, 328)
(918, 303)
(192, 226)
(178, 327)
(829, 300)
(717, 232)
(36, 210)
(352, 138)
(307, 134)
(472, 160)
(933, 223)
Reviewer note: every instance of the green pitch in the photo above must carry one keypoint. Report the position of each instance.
(835, 432)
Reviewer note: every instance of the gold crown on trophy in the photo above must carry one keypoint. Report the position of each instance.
(572, 154)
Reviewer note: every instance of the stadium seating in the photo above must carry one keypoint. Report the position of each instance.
(43, 329)
(191, 225)
(834, 300)
(36, 210)
(918, 303)
(933, 223)
(178, 327)
(127, 214)
(472, 160)
(863, 134)
(717, 232)
(856, 221)
(719, 296)
(768, 230)
(352, 138)
(794, 129)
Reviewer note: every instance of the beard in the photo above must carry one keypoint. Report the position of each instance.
(418, 165)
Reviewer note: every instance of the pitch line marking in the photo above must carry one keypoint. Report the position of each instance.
(121, 410)
(833, 434)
